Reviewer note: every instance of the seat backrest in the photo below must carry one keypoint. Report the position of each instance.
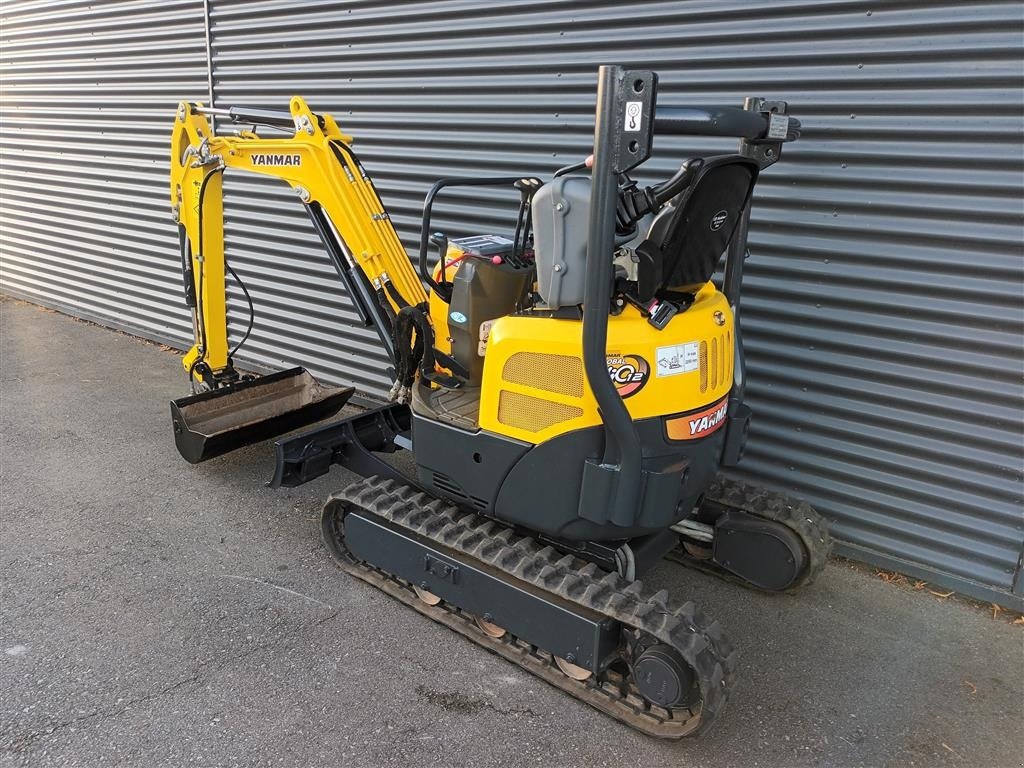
(690, 234)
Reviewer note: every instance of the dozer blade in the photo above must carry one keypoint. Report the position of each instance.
(213, 423)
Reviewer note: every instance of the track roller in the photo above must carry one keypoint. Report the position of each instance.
(427, 597)
(488, 627)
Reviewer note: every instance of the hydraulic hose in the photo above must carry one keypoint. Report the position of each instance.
(200, 317)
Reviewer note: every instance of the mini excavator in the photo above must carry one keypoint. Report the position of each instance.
(568, 391)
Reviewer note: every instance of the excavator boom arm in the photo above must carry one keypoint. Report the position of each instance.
(317, 161)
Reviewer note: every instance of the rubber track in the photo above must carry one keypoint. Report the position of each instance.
(799, 516)
(702, 644)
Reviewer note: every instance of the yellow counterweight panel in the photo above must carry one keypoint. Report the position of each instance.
(534, 387)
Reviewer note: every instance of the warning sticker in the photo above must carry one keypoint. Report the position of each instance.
(678, 358)
(634, 116)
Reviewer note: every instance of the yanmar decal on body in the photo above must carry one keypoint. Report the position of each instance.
(697, 425)
(629, 373)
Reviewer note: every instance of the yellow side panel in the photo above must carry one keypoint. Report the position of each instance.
(534, 387)
(533, 414)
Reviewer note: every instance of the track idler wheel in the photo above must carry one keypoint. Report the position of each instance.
(663, 678)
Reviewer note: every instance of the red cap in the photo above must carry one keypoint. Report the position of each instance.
(496, 259)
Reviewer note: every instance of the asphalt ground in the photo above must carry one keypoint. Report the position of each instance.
(155, 613)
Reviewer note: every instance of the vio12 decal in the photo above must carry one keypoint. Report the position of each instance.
(628, 373)
(697, 425)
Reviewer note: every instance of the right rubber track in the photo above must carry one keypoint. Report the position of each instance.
(798, 516)
(466, 535)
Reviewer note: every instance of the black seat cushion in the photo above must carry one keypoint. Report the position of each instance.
(687, 238)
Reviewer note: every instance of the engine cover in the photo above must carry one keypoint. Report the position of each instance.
(561, 219)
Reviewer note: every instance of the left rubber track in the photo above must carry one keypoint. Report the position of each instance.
(638, 610)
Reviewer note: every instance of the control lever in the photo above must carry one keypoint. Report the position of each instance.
(634, 203)
(526, 186)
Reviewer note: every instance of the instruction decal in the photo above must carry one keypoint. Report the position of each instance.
(678, 358)
(628, 373)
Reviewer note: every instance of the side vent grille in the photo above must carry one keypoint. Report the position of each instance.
(713, 363)
(532, 413)
(703, 366)
(727, 358)
(716, 362)
(561, 374)
(449, 486)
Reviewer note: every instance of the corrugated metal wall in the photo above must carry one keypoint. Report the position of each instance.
(88, 92)
(883, 303)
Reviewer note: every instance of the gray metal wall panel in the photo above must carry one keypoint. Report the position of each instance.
(883, 303)
(88, 90)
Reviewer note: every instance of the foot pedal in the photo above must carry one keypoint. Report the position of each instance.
(213, 423)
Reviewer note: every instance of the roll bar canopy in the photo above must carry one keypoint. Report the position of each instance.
(732, 122)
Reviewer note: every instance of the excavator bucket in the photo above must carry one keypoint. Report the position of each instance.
(213, 423)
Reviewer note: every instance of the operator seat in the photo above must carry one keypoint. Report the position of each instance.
(689, 235)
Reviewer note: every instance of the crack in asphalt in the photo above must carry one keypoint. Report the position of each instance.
(20, 742)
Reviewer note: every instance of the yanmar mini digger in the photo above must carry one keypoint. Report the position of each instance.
(568, 390)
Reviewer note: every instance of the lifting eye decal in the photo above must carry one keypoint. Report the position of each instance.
(628, 373)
